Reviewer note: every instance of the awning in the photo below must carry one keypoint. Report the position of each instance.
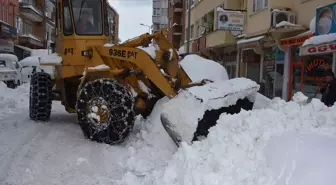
(250, 43)
(321, 44)
(296, 40)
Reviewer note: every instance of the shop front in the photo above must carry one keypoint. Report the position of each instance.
(294, 64)
(249, 60)
(317, 59)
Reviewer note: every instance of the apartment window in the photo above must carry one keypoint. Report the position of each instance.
(197, 29)
(156, 11)
(191, 31)
(164, 12)
(3, 12)
(28, 29)
(259, 5)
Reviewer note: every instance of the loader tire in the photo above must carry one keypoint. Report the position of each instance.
(105, 111)
(40, 97)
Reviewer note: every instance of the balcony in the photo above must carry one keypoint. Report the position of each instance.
(30, 40)
(219, 38)
(178, 7)
(198, 44)
(31, 12)
(177, 29)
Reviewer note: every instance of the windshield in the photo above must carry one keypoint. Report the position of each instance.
(87, 17)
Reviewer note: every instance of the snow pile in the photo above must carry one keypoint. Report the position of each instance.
(300, 98)
(46, 56)
(38, 153)
(189, 106)
(12, 100)
(320, 39)
(32, 61)
(199, 68)
(241, 148)
(150, 50)
(285, 23)
(181, 50)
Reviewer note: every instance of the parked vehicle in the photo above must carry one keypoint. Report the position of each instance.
(10, 70)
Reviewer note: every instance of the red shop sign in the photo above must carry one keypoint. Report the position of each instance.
(319, 49)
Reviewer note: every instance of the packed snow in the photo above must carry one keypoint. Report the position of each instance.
(46, 57)
(189, 106)
(282, 143)
(285, 23)
(253, 39)
(285, 144)
(56, 152)
(320, 39)
(199, 68)
(150, 50)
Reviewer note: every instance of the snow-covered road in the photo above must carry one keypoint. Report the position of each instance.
(289, 143)
(56, 152)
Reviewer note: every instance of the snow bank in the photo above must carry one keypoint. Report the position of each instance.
(199, 68)
(150, 50)
(35, 61)
(188, 107)
(12, 100)
(285, 23)
(181, 50)
(241, 149)
(320, 39)
(46, 56)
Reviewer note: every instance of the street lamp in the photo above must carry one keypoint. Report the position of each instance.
(149, 27)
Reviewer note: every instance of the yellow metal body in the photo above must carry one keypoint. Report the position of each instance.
(127, 63)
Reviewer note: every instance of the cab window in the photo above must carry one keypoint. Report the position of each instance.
(87, 17)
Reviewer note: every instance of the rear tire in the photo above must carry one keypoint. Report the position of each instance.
(40, 98)
(105, 111)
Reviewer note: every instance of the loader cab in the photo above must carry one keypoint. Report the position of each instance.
(80, 23)
(82, 18)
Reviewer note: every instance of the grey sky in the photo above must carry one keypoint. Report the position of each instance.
(131, 14)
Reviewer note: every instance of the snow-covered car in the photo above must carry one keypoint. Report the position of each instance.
(10, 70)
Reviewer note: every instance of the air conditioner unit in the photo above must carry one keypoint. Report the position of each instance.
(279, 16)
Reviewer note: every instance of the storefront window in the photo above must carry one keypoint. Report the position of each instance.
(296, 78)
(314, 72)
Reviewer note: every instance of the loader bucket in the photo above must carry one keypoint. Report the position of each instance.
(193, 111)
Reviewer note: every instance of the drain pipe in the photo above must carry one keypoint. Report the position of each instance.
(188, 32)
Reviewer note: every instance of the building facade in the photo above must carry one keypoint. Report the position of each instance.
(176, 19)
(36, 23)
(113, 19)
(8, 31)
(160, 15)
(269, 50)
(207, 37)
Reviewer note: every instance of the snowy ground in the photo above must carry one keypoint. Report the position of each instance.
(285, 144)
(55, 153)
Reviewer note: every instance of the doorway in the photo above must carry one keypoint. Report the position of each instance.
(296, 78)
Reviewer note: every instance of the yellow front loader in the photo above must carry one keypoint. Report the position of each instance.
(107, 85)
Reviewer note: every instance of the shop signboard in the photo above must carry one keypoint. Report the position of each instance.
(318, 49)
(6, 46)
(7, 30)
(325, 19)
(230, 20)
(295, 40)
(315, 68)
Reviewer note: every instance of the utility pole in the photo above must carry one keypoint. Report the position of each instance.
(188, 30)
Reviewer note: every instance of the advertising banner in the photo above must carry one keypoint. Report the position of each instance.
(230, 20)
(325, 19)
